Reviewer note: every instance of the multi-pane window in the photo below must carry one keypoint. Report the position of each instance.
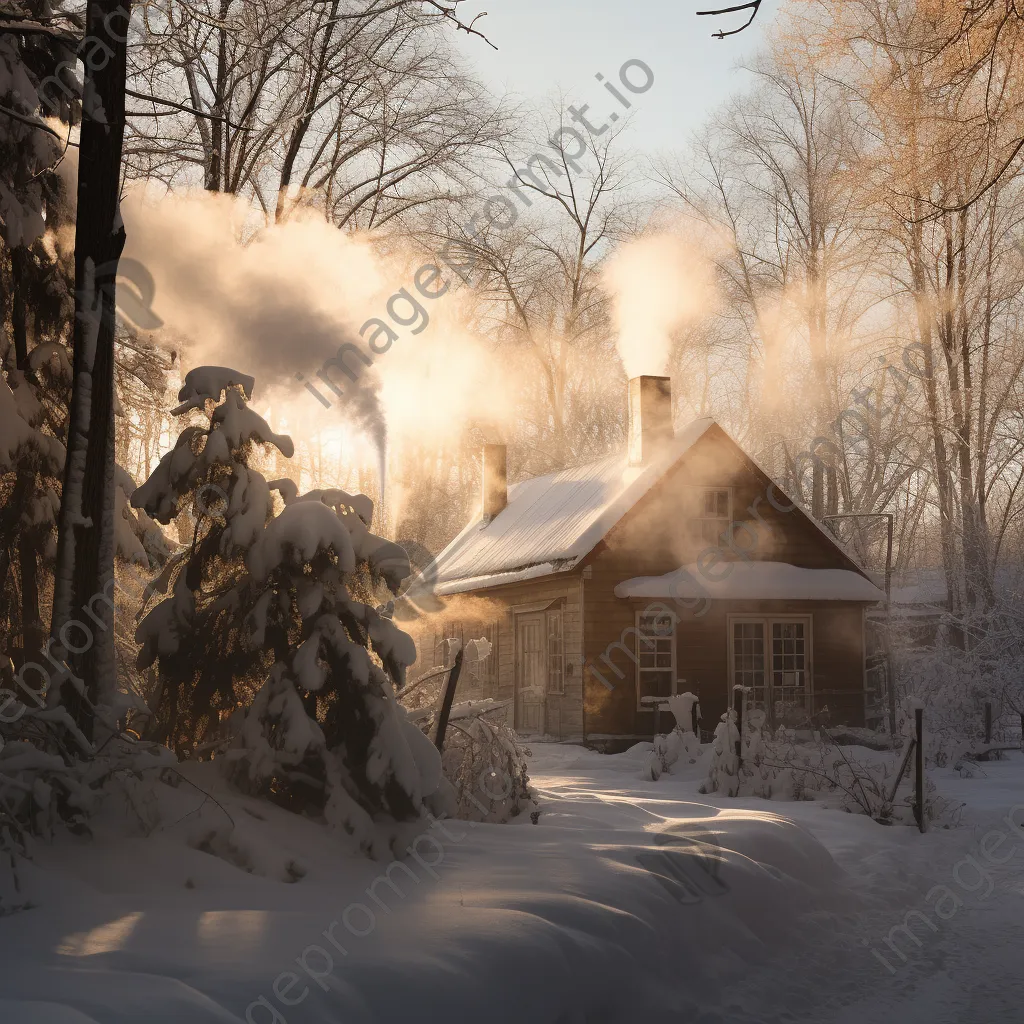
(555, 651)
(655, 650)
(789, 664)
(770, 657)
(748, 655)
(714, 514)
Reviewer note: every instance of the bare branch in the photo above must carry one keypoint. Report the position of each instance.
(753, 7)
(177, 106)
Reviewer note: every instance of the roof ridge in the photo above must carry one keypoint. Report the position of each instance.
(560, 517)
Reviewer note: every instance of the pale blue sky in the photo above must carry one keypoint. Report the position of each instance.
(548, 45)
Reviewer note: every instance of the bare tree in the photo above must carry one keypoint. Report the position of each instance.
(773, 176)
(357, 107)
(537, 263)
(85, 545)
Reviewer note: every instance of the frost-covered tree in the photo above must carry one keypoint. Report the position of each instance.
(34, 291)
(31, 460)
(197, 631)
(487, 765)
(325, 729)
(272, 622)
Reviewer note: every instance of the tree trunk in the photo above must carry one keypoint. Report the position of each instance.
(216, 171)
(82, 625)
(33, 635)
(298, 134)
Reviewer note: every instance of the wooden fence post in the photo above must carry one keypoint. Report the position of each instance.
(919, 768)
(737, 703)
(988, 722)
(447, 698)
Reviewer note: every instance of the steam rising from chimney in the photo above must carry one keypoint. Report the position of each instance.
(658, 284)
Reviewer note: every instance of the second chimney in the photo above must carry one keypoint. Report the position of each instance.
(495, 480)
(650, 416)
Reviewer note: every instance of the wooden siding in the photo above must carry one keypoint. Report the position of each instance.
(494, 610)
(662, 533)
(702, 663)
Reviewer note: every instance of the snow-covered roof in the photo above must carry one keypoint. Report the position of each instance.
(754, 581)
(925, 586)
(552, 522)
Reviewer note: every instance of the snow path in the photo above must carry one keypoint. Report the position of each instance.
(969, 971)
(630, 900)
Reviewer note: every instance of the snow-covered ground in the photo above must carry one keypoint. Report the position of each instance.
(629, 900)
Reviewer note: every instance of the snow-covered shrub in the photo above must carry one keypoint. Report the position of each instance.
(746, 773)
(861, 783)
(787, 766)
(723, 769)
(953, 687)
(483, 759)
(45, 788)
(485, 762)
(681, 742)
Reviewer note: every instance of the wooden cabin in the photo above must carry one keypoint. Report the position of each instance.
(678, 565)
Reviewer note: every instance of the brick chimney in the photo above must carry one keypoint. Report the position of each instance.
(650, 417)
(495, 480)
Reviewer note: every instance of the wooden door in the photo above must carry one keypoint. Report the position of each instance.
(531, 662)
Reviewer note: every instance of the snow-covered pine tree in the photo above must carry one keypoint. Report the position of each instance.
(197, 632)
(31, 462)
(275, 616)
(35, 302)
(326, 732)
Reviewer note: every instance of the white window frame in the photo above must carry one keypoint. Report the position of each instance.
(638, 633)
(767, 620)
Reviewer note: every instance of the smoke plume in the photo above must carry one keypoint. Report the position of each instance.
(280, 301)
(658, 284)
(274, 302)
